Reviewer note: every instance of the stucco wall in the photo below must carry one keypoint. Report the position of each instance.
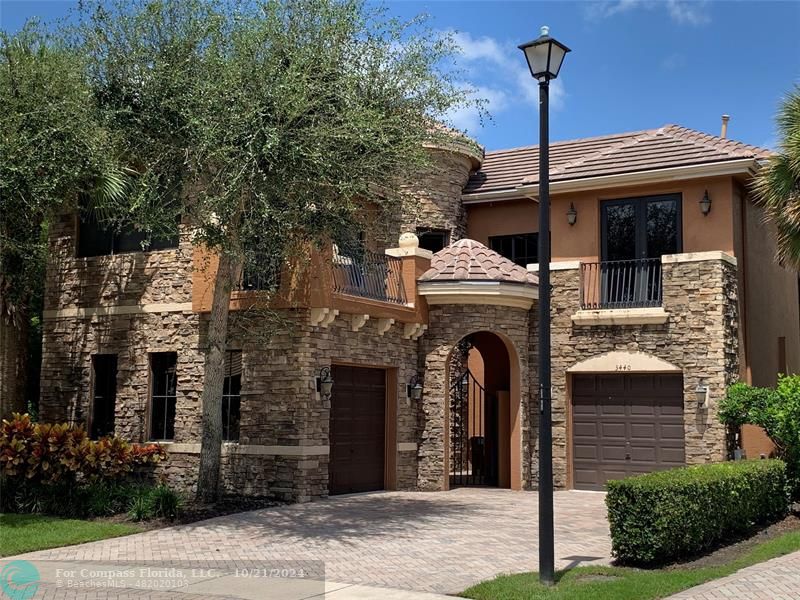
(582, 240)
(773, 307)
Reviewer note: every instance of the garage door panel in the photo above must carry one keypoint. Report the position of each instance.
(585, 429)
(610, 453)
(625, 425)
(583, 451)
(643, 431)
(671, 432)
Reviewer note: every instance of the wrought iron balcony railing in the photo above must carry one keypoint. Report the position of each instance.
(369, 275)
(621, 284)
(263, 277)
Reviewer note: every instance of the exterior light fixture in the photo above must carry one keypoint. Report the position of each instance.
(325, 383)
(705, 203)
(544, 56)
(414, 388)
(572, 214)
(701, 392)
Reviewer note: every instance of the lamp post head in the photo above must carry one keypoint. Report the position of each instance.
(544, 55)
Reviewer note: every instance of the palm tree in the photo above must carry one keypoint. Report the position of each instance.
(777, 185)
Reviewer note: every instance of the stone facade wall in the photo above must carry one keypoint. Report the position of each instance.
(700, 337)
(448, 325)
(436, 196)
(279, 402)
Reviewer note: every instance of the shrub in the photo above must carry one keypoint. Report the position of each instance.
(777, 411)
(668, 515)
(49, 453)
(56, 469)
(164, 502)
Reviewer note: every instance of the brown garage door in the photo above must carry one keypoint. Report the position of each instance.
(358, 423)
(625, 425)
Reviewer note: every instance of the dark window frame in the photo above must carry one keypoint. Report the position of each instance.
(108, 378)
(522, 259)
(434, 231)
(116, 242)
(169, 378)
(640, 215)
(231, 398)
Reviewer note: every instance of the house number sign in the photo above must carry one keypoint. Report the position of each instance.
(623, 367)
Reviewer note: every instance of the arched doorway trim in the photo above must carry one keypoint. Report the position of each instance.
(624, 362)
(515, 409)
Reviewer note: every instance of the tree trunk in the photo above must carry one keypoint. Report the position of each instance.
(14, 331)
(213, 380)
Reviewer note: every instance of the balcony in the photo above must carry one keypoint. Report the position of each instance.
(357, 286)
(367, 274)
(621, 284)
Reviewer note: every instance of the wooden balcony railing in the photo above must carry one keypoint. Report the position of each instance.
(621, 284)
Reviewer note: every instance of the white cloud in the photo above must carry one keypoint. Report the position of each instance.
(685, 12)
(469, 118)
(692, 13)
(504, 79)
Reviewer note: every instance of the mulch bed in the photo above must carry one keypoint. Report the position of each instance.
(729, 553)
(191, 512)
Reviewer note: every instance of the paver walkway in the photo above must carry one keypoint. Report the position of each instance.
(430, 542)
(776, 579)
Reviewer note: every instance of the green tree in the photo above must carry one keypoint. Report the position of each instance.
(266, 125)
(776, 410)
(777, 185)
(51, 152)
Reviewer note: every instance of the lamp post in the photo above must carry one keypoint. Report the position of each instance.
(544, 56)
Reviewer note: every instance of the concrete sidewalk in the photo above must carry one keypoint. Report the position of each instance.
(776, 579)
(68, 580)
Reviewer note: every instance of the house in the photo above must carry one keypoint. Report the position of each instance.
(415, 367)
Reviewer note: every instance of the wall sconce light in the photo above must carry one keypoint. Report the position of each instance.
(705, 203)
(702, 393)
(572, 214)
(414, 388)
(325, 383)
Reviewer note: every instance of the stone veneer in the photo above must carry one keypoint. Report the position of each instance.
(450, 323)
(700, 336)
(436, 196)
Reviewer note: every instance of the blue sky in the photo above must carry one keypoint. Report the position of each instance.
(635, 64)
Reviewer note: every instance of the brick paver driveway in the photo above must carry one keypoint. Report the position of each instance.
(776, 579)
(439, 542)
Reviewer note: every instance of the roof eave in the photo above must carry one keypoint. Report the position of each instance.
(742, 166)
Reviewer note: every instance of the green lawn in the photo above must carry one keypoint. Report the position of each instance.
(25, 533)
(606, 583)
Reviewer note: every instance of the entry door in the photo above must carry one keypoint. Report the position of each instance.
(357, 430)
(625, 425)
(636, 233)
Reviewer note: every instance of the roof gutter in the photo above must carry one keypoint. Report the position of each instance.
(743, 166)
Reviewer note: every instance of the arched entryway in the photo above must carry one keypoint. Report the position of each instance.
(480, 412)
(479, 304)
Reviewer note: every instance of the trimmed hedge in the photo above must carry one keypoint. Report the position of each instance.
(668, 515)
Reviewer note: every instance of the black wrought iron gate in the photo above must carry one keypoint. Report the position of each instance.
(473, 433)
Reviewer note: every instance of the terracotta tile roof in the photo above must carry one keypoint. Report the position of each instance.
(468, 260)
(669, 146)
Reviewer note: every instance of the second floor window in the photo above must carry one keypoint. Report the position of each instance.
(232, 395)
(97, 239)
(641, 228)
(163, 395)
(433, 239)
(522, 248)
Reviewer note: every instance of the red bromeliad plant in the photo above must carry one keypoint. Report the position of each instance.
(50, 453)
